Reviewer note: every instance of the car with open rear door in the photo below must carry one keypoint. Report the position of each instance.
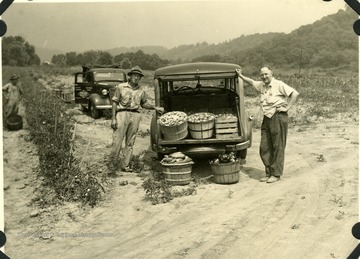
(203, 87)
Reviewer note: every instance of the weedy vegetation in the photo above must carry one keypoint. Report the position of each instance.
(52, 129)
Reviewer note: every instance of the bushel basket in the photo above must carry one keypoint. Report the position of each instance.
(177, 132)
(201, 125)
(176, 173)
(201, 130)
(225, 173)
(14, 122)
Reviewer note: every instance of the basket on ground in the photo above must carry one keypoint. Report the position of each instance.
(67, 94)
(14, 122)
(225, 173)
(177, 174)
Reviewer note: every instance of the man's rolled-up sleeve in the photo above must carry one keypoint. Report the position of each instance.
(117, 95)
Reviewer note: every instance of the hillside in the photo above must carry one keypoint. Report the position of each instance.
(326, 44)
(189, 52)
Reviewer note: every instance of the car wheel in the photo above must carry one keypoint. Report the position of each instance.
(242, 156)
(95, 113)
(83, 108)
(159, 156)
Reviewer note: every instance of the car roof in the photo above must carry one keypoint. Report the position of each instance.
(106, 70)
(198, 68)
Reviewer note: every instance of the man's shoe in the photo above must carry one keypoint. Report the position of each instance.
(127, 169)
(273, 179)
(264, 179)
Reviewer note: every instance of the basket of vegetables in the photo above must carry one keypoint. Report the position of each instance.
(173, 125)
(225, 168)
(201, 125)
(177, 168)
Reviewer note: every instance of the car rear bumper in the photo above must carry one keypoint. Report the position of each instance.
(200, 150)
(103, 107)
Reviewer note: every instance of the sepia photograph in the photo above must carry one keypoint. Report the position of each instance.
(180, 129)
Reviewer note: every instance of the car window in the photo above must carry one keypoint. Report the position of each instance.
(218, 83)
(99, 76)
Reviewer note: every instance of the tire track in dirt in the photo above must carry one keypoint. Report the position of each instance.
(311, 208)
(245, 220)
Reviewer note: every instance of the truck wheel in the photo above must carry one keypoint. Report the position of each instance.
(95, 113)
(83, 108)
(241, 154)
(159, 156)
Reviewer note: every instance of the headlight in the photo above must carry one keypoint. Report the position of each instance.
(104, 91)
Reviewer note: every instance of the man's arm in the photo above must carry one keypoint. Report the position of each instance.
(246, 79)
(113, 115)
(293, 98)
(115, 99)
(146, 105)
(5, 87)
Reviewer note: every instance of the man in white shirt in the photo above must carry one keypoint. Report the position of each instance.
(276, 99)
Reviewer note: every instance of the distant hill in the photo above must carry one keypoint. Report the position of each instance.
(327, 43)
(189, 52)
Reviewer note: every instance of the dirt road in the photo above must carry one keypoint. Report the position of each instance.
(308, 214)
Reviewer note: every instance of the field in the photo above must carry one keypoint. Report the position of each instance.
(308, 214)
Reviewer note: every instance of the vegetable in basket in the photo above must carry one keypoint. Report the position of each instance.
(174, 118)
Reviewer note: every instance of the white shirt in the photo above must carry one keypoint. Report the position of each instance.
(273, 96)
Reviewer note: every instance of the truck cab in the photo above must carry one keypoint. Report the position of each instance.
(94, 88)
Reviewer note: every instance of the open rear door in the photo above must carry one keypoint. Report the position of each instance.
(82, 89)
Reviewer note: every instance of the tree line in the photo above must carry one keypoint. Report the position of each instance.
(327, 43)
(16, 51)
(124, 60)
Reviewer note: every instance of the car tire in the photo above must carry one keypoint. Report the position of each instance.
(159, 156)
(83, 108)
(241, 155)
(95, 113)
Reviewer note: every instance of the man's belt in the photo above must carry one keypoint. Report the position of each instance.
(128, 110)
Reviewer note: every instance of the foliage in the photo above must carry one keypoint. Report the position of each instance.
(125, 60)
(136, 163)
(16, 51)
(321, 97)
(52, 130)
(158, 190)
(145, 61)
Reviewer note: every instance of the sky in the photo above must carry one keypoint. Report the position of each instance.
(98, 25)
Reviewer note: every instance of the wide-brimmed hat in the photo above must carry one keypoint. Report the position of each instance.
(14, 77)
(136, 70)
